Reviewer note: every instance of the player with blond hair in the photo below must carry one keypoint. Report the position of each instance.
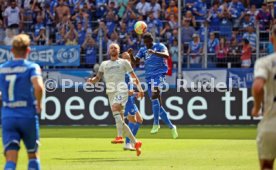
(264, 93)
(114, 71)
(22, 89)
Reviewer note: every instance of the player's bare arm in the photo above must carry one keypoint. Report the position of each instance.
(138, 85)
(164, 54)
(95, 79)
(134, 60)
(258, 94)
(38, 91)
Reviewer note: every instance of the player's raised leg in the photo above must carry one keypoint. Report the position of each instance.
(138, 123)
(135, 120)
(131, 124)
(152, 91)
(123, 128)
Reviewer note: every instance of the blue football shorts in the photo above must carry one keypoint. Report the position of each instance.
(16, 129)
(156, 81)
(130, 108)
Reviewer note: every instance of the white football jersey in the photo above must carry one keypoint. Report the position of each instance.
(266, 68)
(114, 75)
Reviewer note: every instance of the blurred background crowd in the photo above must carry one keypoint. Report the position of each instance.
(233, 33)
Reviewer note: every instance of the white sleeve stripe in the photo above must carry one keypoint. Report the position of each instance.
(260, 76)
(36, 76)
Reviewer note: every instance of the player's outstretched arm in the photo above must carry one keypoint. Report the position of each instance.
(138, 85)
(95, 79)
(38, 91)
(258, 94)
(134, 60)
(163, 54)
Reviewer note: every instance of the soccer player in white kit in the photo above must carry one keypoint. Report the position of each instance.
(114, 71)
(264, 93)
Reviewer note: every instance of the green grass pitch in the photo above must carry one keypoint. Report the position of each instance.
(198, 148)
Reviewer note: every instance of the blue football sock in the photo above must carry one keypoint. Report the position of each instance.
(10, 165)
(156, 111)
(164, 117)
(131, 127)
(136, 128)
(34, 164)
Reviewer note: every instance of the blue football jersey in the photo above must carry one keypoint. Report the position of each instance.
(17, 89)
(129, 81)
(154, 65)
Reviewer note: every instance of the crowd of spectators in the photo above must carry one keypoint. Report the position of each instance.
(230, 26)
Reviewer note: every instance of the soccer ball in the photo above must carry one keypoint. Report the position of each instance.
(140, 27)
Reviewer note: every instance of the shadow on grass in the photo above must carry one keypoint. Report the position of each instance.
(100, 151)
(95, 159)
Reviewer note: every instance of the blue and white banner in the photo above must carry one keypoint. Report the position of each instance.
(194, 78)
(81, 75)
(47, 55)
(78, 76)
(240, 77)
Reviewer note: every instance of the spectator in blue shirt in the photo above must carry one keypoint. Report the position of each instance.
(111, 7)
(131, 22)
(49, 20)
(154, 24)
(38, 25)
(251, 36)
(253, 13)
(53, 4)
(81, 29)
(89, 45)
(246, 22)
(225, 26)
(211, 47)
(200, 10)
(236, 10)
(270, 48)
(212, 43)
(41, 39)
(213, 18)
(101, 8)
(189, 4)
(110, 22)
(195, 50)
(60, 37)
(173, 37)
(237, 34)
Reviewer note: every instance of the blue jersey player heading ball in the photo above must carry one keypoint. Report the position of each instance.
(154, 55)
(22, 89)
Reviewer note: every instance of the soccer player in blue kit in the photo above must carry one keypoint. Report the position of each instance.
(131, 111)
(154, 55)
(22, 89)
